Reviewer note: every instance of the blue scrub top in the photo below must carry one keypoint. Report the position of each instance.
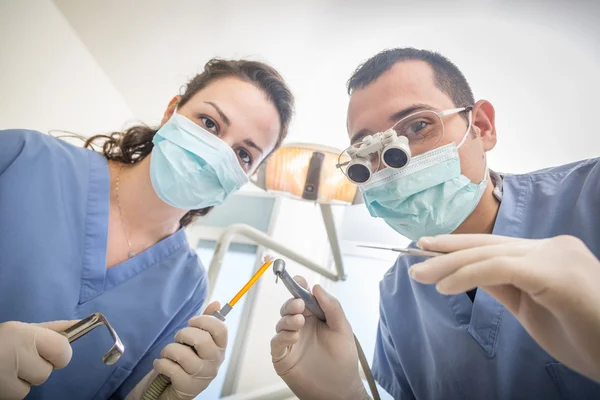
(54, 202)
(433, 346)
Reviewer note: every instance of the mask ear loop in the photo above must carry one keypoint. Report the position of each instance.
(485, 170)
(468, 130)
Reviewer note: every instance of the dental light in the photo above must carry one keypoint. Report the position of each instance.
(307, 171)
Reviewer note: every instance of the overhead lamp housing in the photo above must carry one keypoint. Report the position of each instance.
(307, 171)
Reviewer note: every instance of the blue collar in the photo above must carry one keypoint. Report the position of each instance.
(95, 277)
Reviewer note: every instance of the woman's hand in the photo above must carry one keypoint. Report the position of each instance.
(193, 360)
(28, 355)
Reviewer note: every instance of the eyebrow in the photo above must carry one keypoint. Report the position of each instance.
(397, 116)
(220, 112)
(247, 142)
(250, 143)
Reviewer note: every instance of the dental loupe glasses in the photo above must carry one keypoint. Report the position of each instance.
(393, 151)
(411, 136)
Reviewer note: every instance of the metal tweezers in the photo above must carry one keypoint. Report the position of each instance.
(407, 250)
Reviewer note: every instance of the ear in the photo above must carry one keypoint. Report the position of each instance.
(170, 109)
(484, 122)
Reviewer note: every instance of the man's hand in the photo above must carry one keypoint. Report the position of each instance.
(28, 355)
(317, 360)
(549, 285)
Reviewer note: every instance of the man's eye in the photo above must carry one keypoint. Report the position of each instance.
(210, 124)
(244, 156)
(417, 127)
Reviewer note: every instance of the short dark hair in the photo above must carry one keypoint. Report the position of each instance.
(135, 144)
(448, 77)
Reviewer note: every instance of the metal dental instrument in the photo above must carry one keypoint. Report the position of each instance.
(406, 250)
(296, 290)
(90, 323)
(313, 306)
(161, 382)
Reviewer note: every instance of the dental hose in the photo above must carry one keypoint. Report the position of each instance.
(161, 382)
(157, 387)
(364, 363)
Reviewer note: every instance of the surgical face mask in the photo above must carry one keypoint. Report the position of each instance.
(191, 168)
(428, 197)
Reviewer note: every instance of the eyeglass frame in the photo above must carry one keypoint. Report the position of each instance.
(440, 114)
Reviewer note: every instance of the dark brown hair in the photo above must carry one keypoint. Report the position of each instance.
(448, 77)
(135, 143)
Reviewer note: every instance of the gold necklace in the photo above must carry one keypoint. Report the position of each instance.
(131, 253)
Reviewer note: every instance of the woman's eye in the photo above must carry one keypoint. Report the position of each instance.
(210, 124)
(244, 156)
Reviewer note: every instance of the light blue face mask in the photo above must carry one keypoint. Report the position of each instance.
(191, 168)
(428, 197)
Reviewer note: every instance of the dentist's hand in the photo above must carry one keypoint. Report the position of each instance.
(193, 360)
(549, 285)
(317, 360)
(28, 355)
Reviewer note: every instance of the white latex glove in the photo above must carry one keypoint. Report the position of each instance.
(549, 285)
(317, 360)
(28, 355)
(192, 361)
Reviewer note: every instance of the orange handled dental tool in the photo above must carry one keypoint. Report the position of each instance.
(160, 383)
(222, 313)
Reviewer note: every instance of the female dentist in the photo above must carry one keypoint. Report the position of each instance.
(83, 232)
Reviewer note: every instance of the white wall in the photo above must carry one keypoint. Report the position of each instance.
(48, 78)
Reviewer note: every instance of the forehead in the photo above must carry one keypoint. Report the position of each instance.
(405, 84)
(225, 89)
(251, 113)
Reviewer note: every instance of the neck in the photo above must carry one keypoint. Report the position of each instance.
(483, 218)
(147, 218)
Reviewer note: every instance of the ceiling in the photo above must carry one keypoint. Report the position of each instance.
(150, 48)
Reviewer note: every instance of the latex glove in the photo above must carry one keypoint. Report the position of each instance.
(549, 285)
(29, 353)
(317, 360)
(192, 361)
